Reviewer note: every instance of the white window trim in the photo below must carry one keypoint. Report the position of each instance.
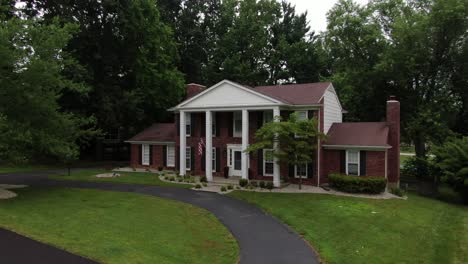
(303, 111)
(306, 172)
(234, 134)
(168, 164)
(143, 148)
(359, 162)
(264, 164)
(213, 159)
(188, 122)
(188, 157)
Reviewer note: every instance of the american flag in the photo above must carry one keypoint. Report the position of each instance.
(201, 145)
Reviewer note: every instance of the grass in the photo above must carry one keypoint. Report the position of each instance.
(113, 227)
(5, 168)
(403, 159)
(145, 178)
(356, 230)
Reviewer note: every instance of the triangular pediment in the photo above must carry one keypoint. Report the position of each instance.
(227, 94)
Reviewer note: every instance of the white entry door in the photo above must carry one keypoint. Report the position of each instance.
(235, 160)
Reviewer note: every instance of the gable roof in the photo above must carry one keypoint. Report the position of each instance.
(296, 94)
(369, 134)
(158, 132)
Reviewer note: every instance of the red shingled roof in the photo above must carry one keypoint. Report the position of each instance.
(160, 132)
(296, 94)
(358, 134)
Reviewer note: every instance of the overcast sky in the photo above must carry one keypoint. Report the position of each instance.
(317, 10)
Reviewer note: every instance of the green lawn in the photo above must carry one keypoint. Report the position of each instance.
(125, 177)
(24, 168)
(404, 158)
(114, 227)
(355, 230)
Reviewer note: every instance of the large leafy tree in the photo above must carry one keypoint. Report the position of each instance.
(296, 140)
(130, 58)
(413, 49)
(32, 81)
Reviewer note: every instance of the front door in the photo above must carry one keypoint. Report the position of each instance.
(235, 160)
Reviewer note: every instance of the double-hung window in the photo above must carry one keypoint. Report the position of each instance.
(188, 124)
(170, 156)
(213, 124)
(237, 124)
(352, 162)
(267, 116)
(268, 167)
(213, 159)
(302, 115)
(301, 171)
(188, 158)
(145, 154)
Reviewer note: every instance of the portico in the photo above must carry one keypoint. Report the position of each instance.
(237, 100)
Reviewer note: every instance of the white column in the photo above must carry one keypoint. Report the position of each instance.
(183, 139)
(245, 144)
(209, 145)
(276, 165)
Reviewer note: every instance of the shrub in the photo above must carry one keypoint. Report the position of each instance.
(172, 178)
(262, 184)
(180, 179)
(147, 170)
(237, 187)
(254, 184)
(198, 186)
(356, 184)
(160, 168)
(204, 184)
(133, 168)
(269, 185)
(230, 187)
(452, 160)
(419, 168)
(243, 182)
(166, 178)
(447, 194)
(203, 179)
(397, 192)
(223, 189)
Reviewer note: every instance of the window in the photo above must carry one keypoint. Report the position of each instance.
(302, 115)
(145, 155)
(268, 167)
(301, 171)
(267, 116)
(188, 158)
(188, 124)
(213, 159)
(213, 124)
(229, 157)
(237, 126)
(170, 156)
(352, 162)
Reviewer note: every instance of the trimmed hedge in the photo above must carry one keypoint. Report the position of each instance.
(357, 184)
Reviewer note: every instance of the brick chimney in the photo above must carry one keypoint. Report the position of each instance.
(393, 155)
(192, 89)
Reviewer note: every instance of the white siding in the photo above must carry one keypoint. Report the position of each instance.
(331, 109)
(228, 95)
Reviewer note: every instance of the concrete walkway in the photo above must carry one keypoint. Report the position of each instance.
(261, 237)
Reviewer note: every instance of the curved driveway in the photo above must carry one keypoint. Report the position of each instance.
(261, 237)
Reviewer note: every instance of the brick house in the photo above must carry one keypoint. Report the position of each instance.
(225, 117)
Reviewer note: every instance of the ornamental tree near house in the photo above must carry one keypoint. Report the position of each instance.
(297, 140)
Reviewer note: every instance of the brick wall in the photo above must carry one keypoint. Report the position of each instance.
(393, 121)
(375, 163)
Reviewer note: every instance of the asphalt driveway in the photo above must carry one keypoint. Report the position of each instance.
(261, 237)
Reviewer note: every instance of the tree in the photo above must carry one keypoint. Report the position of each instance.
(296, 140)
(130, 58)
(452, 159)
(32, 81)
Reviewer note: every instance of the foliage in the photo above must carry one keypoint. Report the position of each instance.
(33, 125)
(262, 184)
(447, 194)
(269, 185)
(254, 184)
(397, 191)
(230, 187)
(243, 182)
(452, 159)
(203, 179)
(420, 168)
(356, 184)
(198, 186)
(296, 139)
(223, 188)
